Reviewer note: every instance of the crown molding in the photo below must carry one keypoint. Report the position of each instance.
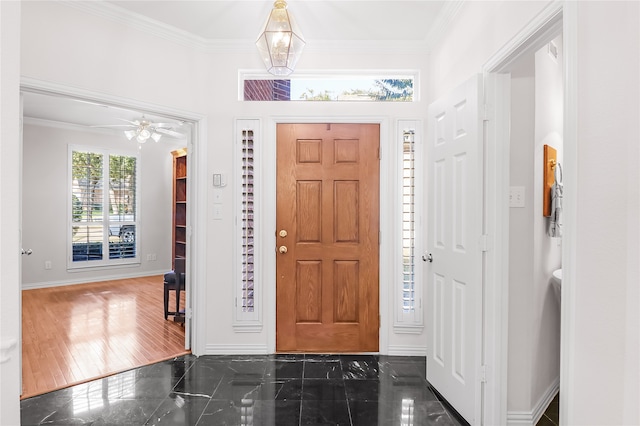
(443, 21)
(175, 35)
(140, 22)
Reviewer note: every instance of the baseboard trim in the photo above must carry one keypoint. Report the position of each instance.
(405, 350)
(86, 280)
(531, 418)
(237, 349)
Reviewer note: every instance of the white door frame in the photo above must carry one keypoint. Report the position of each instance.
(557, 15)
(196, 249)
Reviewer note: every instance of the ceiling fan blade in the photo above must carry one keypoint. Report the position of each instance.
(165, 125)
(168, 132)
(133, 123)
(114, 125)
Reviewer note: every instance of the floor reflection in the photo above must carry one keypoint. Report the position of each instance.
(252, 390)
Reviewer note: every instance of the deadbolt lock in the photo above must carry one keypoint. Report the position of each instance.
(282, 233)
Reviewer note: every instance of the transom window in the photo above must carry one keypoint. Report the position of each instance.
(104, 208)
(334, 88)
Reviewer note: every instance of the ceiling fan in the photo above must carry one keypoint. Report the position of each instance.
(144, 129)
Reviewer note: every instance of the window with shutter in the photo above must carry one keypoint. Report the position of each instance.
(409, 289)
(103, 199)
(408, 222)
(247, 222)
(247, 291)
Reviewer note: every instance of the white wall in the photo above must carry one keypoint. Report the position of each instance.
(45, 197)
(605, 357)
(601, 384)
(479, 30)
(9, 213)
(192, 79)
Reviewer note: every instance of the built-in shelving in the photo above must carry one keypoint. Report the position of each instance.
(179, 240)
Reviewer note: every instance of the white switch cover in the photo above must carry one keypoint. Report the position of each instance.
(516, 196)
(217, 211)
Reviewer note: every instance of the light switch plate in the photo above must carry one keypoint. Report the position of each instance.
(516, 196)
(217, 211)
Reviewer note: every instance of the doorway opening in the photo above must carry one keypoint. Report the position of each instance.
(91, 115)
(501, 315)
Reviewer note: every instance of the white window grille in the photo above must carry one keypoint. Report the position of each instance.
(104, 208)
(247, 316)
(409, 300)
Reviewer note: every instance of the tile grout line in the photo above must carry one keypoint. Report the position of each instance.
(304, 364)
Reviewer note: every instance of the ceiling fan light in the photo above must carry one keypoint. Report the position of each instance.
(141, 139)
(144, 134)
(130, 134)
(156, 136)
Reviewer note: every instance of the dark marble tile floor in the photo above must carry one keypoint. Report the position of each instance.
(279, 390)
(551, 416)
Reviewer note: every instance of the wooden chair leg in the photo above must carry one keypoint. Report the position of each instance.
(166, 301)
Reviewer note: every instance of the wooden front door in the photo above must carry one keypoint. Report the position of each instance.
(327, 237)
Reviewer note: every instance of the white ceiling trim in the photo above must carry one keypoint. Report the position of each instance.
(168, 32)
(442, 22)
(68, 126)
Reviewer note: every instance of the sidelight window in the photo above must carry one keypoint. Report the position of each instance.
(246, 285)
(103, 202)
(409, 290)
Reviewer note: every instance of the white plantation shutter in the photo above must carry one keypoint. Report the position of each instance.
(87, 218)
(247, 290)
(247, 222)
(103, 208)
(408, 223)
(409, 287)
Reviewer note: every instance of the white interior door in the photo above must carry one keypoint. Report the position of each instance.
(454, 279)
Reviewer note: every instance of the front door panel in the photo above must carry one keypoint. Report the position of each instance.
(327, 237)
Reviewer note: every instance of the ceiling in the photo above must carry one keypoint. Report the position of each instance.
(239, 21)
(347, 20)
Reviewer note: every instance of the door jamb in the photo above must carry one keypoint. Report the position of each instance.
(385, 272)
(198, 168)
(496, 169)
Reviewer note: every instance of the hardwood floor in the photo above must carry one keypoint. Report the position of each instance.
(72, 334)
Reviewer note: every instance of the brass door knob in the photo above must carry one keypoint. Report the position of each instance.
(282, 249)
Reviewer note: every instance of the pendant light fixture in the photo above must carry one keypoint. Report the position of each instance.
(280, 42)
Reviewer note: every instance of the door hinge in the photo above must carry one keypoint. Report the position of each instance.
(486, 112)
(379, 154)
(188, 313)
(483, 374)
(379, 321)
(379, 237)
(485, 242)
